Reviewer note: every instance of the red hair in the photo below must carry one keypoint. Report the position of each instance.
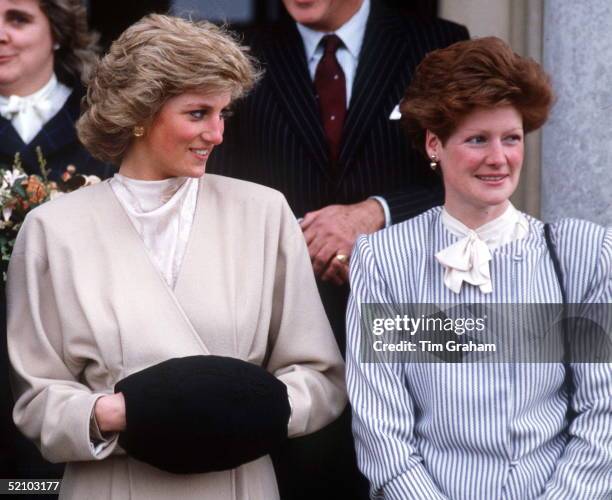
(450, 83)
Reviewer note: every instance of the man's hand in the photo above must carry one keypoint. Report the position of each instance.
(332, 231)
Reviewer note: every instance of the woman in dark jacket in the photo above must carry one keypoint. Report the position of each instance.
(46, 51)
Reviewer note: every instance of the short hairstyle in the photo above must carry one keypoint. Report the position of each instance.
(153, 60)
(78, 47)
(482, 73)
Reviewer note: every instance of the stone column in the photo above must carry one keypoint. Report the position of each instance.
(577, 141)
(482, 17)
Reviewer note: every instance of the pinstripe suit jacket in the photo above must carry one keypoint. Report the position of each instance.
(276, 137)
(58, 142)
(476, 431)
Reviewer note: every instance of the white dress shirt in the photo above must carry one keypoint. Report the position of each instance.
(351, 33)
(30, 113)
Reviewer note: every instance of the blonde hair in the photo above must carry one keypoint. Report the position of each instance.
(154, 59)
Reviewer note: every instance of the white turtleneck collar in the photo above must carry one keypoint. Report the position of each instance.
(468, 259)
(28, 114)
(149, 196)
(162, 213)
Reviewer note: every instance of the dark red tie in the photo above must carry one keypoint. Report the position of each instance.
(331, 89)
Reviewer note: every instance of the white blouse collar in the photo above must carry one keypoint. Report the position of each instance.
(30, 113)
(162, 213)
(147, 196)
(468, 259)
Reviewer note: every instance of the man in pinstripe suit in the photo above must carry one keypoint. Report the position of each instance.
(277, 138)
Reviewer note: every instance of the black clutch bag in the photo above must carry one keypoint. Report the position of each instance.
(203, 413)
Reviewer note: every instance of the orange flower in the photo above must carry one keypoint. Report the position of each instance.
(36, 190)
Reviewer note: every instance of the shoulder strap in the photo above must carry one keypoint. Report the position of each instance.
(555, 260)
(569, 379)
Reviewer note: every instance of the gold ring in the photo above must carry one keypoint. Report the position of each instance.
(342, 258)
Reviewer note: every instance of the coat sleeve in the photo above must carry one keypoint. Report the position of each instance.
(303, 351)
(383, 409)
(585, 468)
(423, 192)
(53, 408)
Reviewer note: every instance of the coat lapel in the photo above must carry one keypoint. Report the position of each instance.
(288, 72)
(206, 287)
(382, 70)
(139, 291)
(10, 142)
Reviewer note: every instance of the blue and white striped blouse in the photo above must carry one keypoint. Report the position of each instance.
(480, 431)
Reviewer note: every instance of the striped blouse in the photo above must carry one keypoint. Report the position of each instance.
(480, 431)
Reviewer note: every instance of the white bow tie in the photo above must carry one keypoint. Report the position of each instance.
(17, 105)
(467, 260)
(27, 115)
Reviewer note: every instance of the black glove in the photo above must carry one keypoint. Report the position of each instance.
(203, 413)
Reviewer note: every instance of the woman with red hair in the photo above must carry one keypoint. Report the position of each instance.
(512, 429)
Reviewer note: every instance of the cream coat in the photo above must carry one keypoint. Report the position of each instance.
(87, 307)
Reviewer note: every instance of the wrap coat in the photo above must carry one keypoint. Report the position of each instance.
(87, 307)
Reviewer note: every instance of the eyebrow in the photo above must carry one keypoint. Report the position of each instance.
(13, 11)
(201, 105)
(481, 131)
(198, 104)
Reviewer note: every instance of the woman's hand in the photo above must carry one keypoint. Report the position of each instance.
(110, 413)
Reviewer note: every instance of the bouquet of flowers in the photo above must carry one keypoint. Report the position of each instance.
(20, 193)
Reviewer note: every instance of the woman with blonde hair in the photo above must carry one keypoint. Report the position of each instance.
(480, 429)
(164, 327)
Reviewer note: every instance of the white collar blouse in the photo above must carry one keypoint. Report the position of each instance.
(29, 114)
(162, 213)
(467, 260)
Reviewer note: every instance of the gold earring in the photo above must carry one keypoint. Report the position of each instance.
(433, 164)
(138, 131)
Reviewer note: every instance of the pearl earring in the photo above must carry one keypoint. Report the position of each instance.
(433, 164)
